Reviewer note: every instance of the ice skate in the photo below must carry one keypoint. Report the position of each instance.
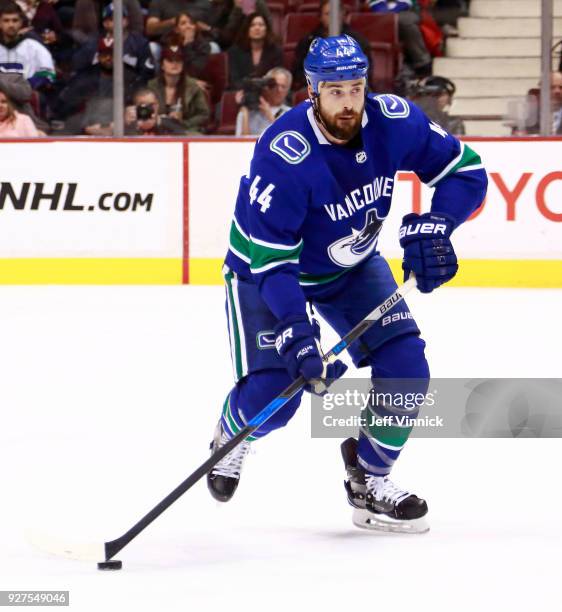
(223, 479)
(378, 504)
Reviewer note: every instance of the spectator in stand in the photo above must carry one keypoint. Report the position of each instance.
(143, 118)
(556, 107)
(14, 124)
(556, 102)
(136, 50)
(271, 105)
(65, 11)
(409, 32)
(227, 18)
(22, 53)
(195, 47)
(88, 15)
(19, 92)
(255, 51)
(86, 103)
(162, 15)
(434, 95)
(40, 15)
(178, 95)
(322, 30)
(446, 14)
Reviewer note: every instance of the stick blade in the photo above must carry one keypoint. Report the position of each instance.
(62, 548)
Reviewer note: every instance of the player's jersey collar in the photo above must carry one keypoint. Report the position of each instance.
(320, 137)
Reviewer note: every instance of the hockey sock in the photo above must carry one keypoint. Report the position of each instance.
(400, 380)
(250, 395)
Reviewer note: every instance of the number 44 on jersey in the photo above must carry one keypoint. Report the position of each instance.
(263, 198)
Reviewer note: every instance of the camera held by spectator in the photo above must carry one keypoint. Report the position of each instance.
(254, 89)
(143, 117)
(263, 101)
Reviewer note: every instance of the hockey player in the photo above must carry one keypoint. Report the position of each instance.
(305, 229)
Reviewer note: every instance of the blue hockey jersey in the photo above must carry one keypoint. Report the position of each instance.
(308, 211)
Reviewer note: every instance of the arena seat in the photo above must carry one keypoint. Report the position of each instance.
(216, 73)
(228, 110)
(297, 26)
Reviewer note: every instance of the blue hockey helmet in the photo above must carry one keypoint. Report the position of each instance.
(335, 58)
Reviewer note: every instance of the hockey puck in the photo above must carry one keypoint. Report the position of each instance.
(110, 565)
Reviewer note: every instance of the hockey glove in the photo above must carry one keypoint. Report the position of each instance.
(297, 342)
(428, 251)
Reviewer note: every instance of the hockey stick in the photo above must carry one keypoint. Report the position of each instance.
(111, 548)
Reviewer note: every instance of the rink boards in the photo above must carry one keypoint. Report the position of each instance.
(158, 212)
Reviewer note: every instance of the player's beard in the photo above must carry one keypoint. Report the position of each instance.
(340, 128)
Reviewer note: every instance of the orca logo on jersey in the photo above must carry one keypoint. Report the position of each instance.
(291, 146)
(350, 250)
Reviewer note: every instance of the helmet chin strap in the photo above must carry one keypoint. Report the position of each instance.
(317, 114)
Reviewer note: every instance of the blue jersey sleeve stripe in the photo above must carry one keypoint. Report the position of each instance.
(447, 168)
(239, 255)
(469, 168)
(239, 228)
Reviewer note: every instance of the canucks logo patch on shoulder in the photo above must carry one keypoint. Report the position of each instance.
(393, 107)
(291, 146)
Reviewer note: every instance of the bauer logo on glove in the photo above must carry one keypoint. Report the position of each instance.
(428, 251)
(423, 228)
(300, 350)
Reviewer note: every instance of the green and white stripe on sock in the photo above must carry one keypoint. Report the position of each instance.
(380, 442)
(231, 421)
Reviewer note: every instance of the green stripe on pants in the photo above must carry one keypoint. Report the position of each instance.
(234, 326)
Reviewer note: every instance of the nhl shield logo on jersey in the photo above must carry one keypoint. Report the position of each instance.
(291, 146)
(361, 157)
(350, 250)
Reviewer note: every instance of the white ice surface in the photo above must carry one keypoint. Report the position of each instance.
(109, 397)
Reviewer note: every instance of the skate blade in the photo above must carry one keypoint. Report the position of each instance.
(367, 520)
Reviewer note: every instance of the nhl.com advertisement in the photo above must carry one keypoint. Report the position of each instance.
(63, 197)
(91, 200)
